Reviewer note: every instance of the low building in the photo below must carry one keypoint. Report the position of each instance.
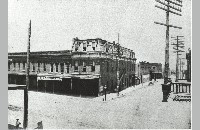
(91, 64)
(147, 71)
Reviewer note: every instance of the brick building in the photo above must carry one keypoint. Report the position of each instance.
(143, 69)
(91, 64)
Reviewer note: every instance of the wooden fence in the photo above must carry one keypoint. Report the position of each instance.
(181, 87)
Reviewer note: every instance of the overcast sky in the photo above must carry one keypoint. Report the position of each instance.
(56, 22)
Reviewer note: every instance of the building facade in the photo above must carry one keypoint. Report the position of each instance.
(147, 71)
(188, 71)
(91, 65)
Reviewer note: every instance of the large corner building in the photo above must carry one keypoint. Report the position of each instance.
(91, 65)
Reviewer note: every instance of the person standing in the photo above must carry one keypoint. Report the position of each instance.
(40, 125)
(17, 124)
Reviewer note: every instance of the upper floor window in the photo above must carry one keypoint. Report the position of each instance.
(62, 68)
(84, 46)
(33, 67)
(93, 66)
(76, 47)
(112, 68)
(107, 66)
(84, 67)
(8, 66)
(19, 65)
(38, 67)
(106, 49)
(93, 46)
(13, 65)
(56, 67)
(51, 67)
(67, 68)
(23, 65)
(44, 66)
(76, 66)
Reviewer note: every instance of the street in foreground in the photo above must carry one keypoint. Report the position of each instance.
(138, 108)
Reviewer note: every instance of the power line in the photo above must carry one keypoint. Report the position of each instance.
(173, 7)
(178, 51)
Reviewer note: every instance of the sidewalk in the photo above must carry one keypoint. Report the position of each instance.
(152, 113)
(112, 96)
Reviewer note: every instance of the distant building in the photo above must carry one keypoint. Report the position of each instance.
(143, 70)
(188, 72)
(91, 64)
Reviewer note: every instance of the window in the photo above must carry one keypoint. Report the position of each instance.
(106, 49)
(76, 47)
(51, 67)
(112, 68)
(93, 46)
(67, 68)
(84, 67)
(19, 65)
(33, 67)
(76, 66)
(56, 67)
(44, 66)
(84, 46)
(62, 68)
(8, 66)
(38, 67)
(107, 66)
(23, 66)
(13, 65)
(93, 66)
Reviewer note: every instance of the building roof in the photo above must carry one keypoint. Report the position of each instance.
(62, 52)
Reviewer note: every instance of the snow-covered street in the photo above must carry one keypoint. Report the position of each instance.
(138, 107)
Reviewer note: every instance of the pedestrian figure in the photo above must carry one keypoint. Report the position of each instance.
(117, 90)
(17, 124)
(40, 125)
(150, 83)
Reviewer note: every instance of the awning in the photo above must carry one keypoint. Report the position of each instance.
(16, 87)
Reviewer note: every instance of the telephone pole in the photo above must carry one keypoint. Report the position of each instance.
(25, 123)
(170, 8)
(118, 80)
(181, 68)
(179, 44)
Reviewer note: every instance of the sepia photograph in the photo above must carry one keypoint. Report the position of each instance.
(99, 64)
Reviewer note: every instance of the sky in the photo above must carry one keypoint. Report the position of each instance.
(56, 22)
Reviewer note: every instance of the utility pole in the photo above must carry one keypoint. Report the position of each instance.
(180, 68)
(170, 9)
(25, 123)
(179, 44)
(118, 79)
